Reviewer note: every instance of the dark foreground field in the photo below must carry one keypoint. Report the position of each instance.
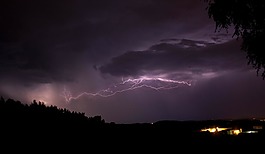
(160, 134)
(48, 126)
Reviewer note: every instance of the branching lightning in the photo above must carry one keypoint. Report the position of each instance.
(155, 83)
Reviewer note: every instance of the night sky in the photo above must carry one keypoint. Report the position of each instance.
(137, 61)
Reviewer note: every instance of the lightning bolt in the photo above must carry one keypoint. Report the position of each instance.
(155, 83)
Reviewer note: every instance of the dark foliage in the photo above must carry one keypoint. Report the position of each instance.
(38, 115)
(247, 17)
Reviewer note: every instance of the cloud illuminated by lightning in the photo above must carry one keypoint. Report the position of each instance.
(155, 83)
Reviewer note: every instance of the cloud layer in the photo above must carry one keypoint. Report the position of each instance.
(185, 59)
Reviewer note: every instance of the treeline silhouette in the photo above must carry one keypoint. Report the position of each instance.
(38, 115)
(37, 123)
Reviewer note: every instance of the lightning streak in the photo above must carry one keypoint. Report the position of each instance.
(130, 84)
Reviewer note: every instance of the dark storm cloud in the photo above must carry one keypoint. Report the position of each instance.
(183, 56)
(33, 37)
(160, 10)
(50, 41)
(42, 41)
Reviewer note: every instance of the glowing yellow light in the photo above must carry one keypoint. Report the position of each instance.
(213, 129)
(235, 131)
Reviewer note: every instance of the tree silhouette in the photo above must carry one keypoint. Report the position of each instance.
(39, 115)
(247, 17)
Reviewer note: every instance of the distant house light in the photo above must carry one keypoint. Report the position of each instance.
(257, 127)
(213, 129)
(250, 131)
(234, 131)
